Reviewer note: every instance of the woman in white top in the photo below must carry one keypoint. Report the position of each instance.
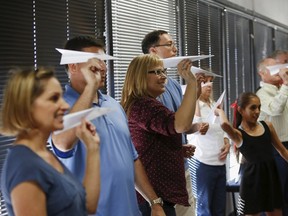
(208, 170)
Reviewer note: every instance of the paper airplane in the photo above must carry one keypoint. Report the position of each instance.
(74, 119)
(206, 84)
(276, 68)
(211, 118)
(72, 56)
(196, 70)
(183, 87)
(173, 61)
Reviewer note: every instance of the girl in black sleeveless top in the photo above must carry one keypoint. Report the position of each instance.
(259, 188)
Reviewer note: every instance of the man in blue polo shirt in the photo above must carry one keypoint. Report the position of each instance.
(120, 168)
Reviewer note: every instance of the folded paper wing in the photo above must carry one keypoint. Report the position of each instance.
(173, 61)
(72, 56)
(196, 70)
(276, 68)
(206, 84)
(74, 119)
(183, 88)
(211, 118)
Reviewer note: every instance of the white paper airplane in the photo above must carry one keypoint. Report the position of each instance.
(206, 84)
(183, 87)
(74, 119)
(196, 70)
(173, 61)
(72, 56)
(276, 68)
(211, 118)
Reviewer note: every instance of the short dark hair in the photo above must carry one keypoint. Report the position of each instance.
(78, 43)
(151, 39)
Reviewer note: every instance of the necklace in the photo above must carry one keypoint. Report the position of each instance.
(255, 130)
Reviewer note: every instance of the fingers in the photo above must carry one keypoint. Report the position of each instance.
(200, 78)
(86, 127)
(184, 65)
(188, 154)
(284, 75)
(95, 65)
(203, 128)
(223, 154)
(184, 70)
(92, 70)
(91, 127)
(216, 112)
(224, 151)
(188, 150)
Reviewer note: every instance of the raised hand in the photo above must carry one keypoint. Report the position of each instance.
(284, 75)
(87, 133)
(91, 71)
(200, 77)
(184, 70)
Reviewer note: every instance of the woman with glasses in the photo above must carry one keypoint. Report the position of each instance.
(156, 131)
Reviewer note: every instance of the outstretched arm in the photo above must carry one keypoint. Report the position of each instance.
(277, 143)
(233, 134)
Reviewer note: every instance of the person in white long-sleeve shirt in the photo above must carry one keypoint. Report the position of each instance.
(274, 108)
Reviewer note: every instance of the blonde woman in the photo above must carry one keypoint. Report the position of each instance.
(156, 131)
(34, 182)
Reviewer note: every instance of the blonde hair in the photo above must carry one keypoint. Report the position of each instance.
(135, 84)
(22, 88)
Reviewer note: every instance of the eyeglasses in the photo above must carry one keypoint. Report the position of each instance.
(171, 44)
(159, 72)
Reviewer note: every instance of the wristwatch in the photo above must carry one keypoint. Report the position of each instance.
(156, 201)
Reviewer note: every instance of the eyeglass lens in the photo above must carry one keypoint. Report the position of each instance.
(159, 72)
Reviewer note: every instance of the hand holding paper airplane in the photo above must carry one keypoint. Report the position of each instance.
(173, 61)
(276, 68)
(72, 56)
(211, 118)
(196, 70)
(74, 119)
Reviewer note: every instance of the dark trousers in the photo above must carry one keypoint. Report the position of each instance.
(209, 187)
(168, 208)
